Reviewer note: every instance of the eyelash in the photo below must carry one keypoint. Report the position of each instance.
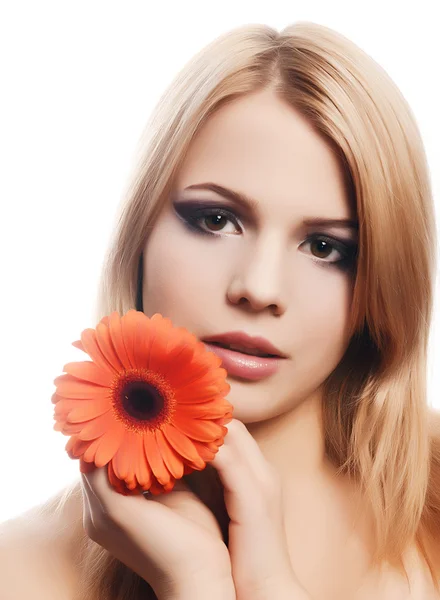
(191, 218)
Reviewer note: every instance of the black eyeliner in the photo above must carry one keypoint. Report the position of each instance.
(191, 212)
(347, 248)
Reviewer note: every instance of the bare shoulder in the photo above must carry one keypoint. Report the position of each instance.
(26, 573)
(34, 558)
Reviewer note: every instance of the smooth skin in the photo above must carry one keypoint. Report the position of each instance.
(179, 549)
(259, 269)
(297, 530)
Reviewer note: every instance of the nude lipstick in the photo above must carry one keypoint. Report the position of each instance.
(244, 356)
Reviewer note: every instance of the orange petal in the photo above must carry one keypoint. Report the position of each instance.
(88, 338)
(64, 406)
(115, 328)
(89, 453)
(86, 467)
(197, 429)
(136, 448)
(69, 428)
(131, 484)
(59, 426)
(152, 339)
(224, 386)
(213, 360)
(168, 487)
(159, 345)
(196, 393)
(171, 458)
(135, 333)
(76, 447)
(97, 426)
(104, 448)
(89, 410)
(178, 360)
(78, 344)
(182, 444)
(187, 470)
(212, 379)
(114, 479)
(188, 372)
(105, 343)
(146, 344)
(69, 386)
(206, 451)
(205, 410)
(225, 420)
(143, 472)
(156, 488)
(123, 457)
(89, 371)
(155, 459)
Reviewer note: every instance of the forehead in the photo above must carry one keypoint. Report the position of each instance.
(261, 146)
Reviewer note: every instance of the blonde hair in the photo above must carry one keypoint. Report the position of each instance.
(379, 426)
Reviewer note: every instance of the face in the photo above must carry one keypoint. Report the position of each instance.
(214, 264)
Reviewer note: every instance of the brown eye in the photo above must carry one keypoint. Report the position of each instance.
(207, 219)
(322, 247)
(215, 222)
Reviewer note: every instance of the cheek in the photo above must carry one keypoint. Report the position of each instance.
(323, 318)
(182, 275)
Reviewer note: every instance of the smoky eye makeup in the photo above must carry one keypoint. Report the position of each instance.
(209, 218)
(193, 214)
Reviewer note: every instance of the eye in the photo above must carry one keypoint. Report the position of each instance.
(323, 247)
(209, 220)
(217, 221)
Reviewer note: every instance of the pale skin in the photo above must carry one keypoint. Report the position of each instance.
(257, 273)
(261, 277)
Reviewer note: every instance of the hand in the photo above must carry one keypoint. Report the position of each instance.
(173, 540)
(175, 543)
(258, 550)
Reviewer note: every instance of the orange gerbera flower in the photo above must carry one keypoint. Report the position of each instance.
(150, 404)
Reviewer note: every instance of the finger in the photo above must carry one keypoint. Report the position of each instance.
(247, 451)
(93, 500)
(150, 524)
(103, 496)
(253, 500)
(138, 554)
(250, 482)
(106, 498)
(108, 504)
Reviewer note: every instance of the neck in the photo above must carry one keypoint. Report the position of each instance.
(293, 442)
(322, 509)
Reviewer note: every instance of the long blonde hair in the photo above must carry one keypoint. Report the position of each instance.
(380, 428)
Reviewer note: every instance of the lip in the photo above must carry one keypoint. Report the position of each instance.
(247, 341)
(245, 366)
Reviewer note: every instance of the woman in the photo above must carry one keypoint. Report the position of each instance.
(332, 487)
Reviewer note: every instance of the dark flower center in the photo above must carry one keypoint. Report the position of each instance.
(141, 400)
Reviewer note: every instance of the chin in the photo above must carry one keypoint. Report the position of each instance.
(250, 403)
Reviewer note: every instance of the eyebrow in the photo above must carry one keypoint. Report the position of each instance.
(253, 205)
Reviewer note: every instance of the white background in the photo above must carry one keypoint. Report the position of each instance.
(78, 82)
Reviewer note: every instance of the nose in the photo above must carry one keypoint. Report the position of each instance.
(257, 283)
